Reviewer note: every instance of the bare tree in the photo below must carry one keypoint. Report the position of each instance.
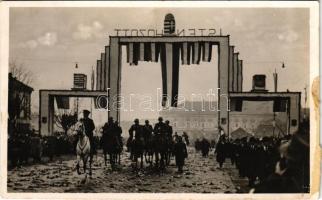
(65, 120)
(21, 73)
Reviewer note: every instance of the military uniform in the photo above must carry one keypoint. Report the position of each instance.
(159, 128)
(89, 128)
(180, 152)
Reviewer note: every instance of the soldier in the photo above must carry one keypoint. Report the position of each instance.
(197, 145)
(137, 129)
(220, 151)
(147, 130)
(159, 128)
(169, 129)
(205, 145)
(175, 137)
(109, 140)
(186, 138)
(180, 152)
(89, 128)
(118, 131)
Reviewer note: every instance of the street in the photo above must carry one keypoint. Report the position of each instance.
(201, 175)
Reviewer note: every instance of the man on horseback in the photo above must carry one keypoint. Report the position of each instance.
(147, 134)
(136, 142)
(110, 141)
(118, 131)
(159, 128)
(89, 128)
(135, 128)
(168, 132)
(168, 129)
(160, 143)
(147, 130)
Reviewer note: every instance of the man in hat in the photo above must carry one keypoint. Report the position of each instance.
(181, 153)
(89, 128)
(169, 130)
(159, 128)
(134, 132)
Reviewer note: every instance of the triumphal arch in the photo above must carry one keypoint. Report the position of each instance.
(172, 49)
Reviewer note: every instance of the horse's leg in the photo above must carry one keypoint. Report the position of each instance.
(151, 158)
(90, 168)
(141, 160)
(85, 163)
(112, 160)
(162, 161)
(119, 158)
(77, 165)
(105, 158)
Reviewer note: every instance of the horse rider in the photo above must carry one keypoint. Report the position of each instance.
(118, 131)
(186, 138)
(147, 130)
(89, 128)
(175, 137)
(136, 128)
(169, 130)
(159, 128)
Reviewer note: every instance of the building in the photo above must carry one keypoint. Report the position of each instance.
(19, 107)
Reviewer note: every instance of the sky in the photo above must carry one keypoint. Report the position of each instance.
(49, 41)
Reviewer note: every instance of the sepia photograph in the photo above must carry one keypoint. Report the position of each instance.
(159, 99)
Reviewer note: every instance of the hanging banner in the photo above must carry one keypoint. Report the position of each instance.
(153, 52)
(141, 51)
(205, 53)
(62, 102)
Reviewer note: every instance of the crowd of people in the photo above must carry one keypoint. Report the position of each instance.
(271, 164)
(157, 141)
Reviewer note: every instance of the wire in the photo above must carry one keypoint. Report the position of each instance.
(52, 61)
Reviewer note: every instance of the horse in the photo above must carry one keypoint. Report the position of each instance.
(149, 150)
(83, 149)
(160, 149)
(110, 144)
(137, 150)
(119, 151)
(170, 146)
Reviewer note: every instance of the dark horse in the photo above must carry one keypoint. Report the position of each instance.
(110, 144)
(160, 150)
(137, 150)
(149, 149)
(170, 148)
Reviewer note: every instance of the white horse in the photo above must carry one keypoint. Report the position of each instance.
(83, 148)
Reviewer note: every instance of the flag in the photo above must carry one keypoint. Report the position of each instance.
(141, 51)
(129, 48)
(62, 102)
(205, 55)
(153, 52)
(195, 53)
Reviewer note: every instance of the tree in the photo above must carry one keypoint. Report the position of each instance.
(21, 73)
(65, 121)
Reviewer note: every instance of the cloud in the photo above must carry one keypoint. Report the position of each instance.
(288, 36)
(48, 39)
(86, 32)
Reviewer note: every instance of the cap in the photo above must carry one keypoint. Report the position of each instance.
(86, 111)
